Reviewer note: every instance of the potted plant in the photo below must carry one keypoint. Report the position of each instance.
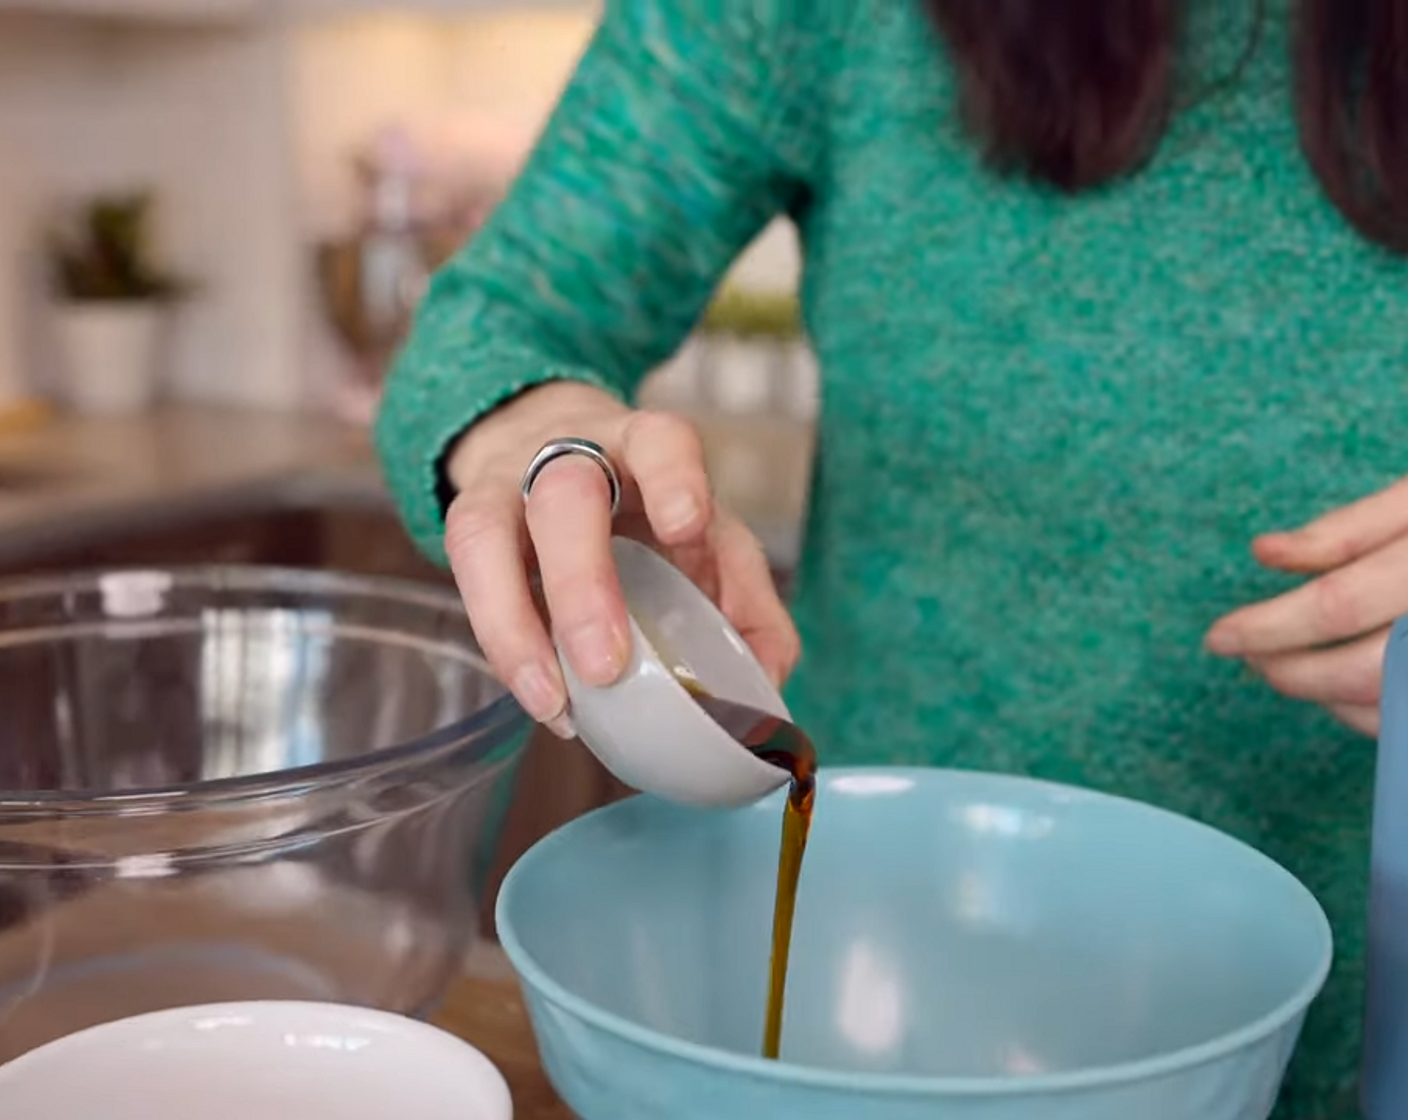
(113, 304)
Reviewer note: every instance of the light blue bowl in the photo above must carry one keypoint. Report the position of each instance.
(968, 947)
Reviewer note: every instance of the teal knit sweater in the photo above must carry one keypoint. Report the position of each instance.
(1051, 425)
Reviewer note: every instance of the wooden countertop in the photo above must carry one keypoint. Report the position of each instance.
(488, 1012)
(101, 471)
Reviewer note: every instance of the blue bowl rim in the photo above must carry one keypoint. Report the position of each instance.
(871, 1084)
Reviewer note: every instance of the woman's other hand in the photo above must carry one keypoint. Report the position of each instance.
(495, 539)
(1325, 641)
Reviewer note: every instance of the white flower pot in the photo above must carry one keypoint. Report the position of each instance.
(110, 355)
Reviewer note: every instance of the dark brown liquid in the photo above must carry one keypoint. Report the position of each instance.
(796, 825)
(783, 745)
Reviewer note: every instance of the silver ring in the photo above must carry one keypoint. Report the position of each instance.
(559, 448)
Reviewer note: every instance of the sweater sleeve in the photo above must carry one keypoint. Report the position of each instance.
(688, 125)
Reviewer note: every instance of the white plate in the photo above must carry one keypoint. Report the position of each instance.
(242, 1061)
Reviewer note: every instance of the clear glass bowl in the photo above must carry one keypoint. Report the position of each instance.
(236, 783)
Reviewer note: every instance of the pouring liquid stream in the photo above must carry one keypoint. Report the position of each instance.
(786, 746)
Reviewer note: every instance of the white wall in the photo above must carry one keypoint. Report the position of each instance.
(476, 87)
(471, 87)
(44, 70)
(248, 135)
(197, 116)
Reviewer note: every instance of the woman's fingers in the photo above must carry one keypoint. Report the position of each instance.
(1348, 675)
(749, 599)
(569, 519)
(484, 540)
(1364, 595)
(1361, 718)
(568, 531)
(1340, 536)
(664, 456)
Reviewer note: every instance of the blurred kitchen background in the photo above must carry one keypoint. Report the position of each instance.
(305, 162)
(214, 218)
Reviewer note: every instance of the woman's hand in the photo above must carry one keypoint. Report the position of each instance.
(1325, 641)
(565, 530)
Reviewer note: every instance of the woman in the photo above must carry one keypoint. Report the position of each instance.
(1108, 302)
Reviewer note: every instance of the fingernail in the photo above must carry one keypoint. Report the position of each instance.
(535, 690)
(1272, 542)
(562, 727)
(597, 653)
(678, 512)
(1223, 643)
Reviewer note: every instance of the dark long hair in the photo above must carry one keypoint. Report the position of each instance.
(1076, 93)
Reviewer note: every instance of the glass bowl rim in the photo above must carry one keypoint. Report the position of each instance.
(485, 730)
